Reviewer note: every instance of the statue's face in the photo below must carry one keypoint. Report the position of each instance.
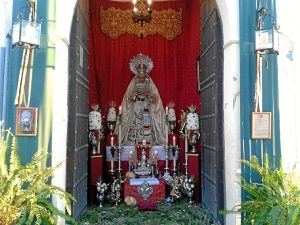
(140, 98)
(141, 68)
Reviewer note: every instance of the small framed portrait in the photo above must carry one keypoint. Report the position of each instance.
(198, 73)
(261, 125)
(26, 121)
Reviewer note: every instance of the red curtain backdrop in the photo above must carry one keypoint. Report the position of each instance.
(174, 71)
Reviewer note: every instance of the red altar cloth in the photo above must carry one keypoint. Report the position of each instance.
(157, 195)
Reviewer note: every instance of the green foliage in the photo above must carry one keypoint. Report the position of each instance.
(25, 191)
(274, 201)
(179, 213)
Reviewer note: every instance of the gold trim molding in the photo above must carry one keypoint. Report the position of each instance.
(115, 22)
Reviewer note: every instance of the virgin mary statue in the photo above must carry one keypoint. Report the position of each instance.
(143, 115)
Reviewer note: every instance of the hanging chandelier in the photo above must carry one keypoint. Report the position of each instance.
(142, 11)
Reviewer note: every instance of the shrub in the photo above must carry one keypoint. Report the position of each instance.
(274, 201)
(25, 190)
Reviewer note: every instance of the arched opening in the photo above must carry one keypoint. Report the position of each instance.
(225, 183)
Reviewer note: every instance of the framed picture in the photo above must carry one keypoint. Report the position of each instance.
(261, 125)
(198, 73)
(26, 121)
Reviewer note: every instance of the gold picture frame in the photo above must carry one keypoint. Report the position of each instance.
(261, 125)
(26, 121)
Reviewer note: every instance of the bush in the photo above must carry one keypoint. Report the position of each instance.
(274, 201)
(25, 191)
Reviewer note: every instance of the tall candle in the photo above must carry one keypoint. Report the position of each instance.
(155, 158)
(112, 141)
(129, 160)
(174, 162)
(120, 134)
(112, 164)
(174, 141)
(120, 110)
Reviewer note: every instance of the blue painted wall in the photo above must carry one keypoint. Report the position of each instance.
(5, 27)
(270, 90)
(41, 81)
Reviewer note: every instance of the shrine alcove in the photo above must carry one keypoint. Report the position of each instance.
(103, 77)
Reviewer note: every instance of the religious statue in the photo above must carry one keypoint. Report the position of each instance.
(143, 116)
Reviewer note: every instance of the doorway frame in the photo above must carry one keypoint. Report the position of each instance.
(229, 13)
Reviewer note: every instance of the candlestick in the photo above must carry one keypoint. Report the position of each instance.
(174, 140)
(112, 141)
(119, 161)
(120, 134)
(186, 150)
(167, 128)
(167, 160)
(174, 162)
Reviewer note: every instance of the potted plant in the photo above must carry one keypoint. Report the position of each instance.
(274, 201)
(25, 190)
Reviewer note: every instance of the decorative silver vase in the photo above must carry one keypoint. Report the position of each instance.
(111, 126)
(193, 140)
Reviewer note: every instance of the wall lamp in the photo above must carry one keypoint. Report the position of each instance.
(27, 33)
(266, 39)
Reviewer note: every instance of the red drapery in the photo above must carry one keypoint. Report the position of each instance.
(174, 71)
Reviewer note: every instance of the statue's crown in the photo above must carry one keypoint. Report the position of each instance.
(139, 62)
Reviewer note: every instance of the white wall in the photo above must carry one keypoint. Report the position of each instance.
(5, 20)
(229, 11)
(60, 95)
(289, 81)
(5, 29)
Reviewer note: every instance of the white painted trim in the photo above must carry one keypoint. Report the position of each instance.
(60, 96)
(229, 12)
(289, 83)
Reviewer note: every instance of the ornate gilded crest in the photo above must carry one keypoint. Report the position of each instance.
(115, 22)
